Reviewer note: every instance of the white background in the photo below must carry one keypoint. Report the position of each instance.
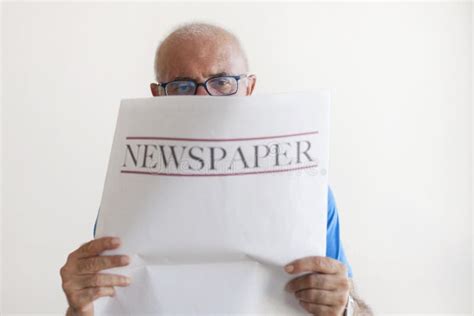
(400, 74)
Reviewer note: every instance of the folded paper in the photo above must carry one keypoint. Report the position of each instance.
(211, 197)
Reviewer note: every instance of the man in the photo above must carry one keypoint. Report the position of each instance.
(202, 59)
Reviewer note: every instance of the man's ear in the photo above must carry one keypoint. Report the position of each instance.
(155, 89)
(252, 80)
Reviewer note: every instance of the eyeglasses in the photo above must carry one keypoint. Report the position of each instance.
(216, 86)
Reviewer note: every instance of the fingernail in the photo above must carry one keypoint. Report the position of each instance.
(115, 241)
(127, 280)
(124, 260)
(289, 268)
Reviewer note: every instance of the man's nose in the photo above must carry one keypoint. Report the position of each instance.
(201, 91)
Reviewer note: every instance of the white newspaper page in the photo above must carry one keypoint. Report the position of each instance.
(211, 197)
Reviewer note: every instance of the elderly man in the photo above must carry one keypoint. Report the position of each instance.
(202, 59)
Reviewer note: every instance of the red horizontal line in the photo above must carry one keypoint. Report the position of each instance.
(151, 173)
(218, 139)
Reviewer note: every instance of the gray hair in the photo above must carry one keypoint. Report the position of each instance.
(194, 30)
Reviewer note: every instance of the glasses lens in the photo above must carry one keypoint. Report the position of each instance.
(222, 86)
(180, 88)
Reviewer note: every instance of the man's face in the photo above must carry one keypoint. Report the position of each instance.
(200, 59)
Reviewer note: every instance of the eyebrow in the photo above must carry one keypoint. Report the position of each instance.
(208, 76)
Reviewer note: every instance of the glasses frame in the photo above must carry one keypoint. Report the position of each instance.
(204, 84)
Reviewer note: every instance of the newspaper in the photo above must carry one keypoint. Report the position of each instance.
(211, 197)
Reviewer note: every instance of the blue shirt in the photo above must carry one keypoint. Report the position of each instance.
(334, 247)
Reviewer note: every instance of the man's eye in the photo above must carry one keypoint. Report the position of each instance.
(223, 82)
(183, 87)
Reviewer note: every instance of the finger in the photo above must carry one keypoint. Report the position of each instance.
(318, 281)
(88, 295)
(96, 264)
(101, 280)
(316, 264)
(322, 297)
(96, 247)
(318, 310)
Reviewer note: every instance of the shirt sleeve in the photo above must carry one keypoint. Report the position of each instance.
(334, 247)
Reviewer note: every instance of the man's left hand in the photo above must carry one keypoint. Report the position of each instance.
(324, 290)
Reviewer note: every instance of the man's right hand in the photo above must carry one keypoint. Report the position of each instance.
(82, 283)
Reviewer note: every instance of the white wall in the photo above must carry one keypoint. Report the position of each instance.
(400, 74)
(1, 170)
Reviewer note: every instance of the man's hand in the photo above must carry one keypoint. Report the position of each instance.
(324, 290)
(81, 281)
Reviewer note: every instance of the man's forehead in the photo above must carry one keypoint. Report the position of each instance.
(193, 65)
(190, 67)
(199, 57)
